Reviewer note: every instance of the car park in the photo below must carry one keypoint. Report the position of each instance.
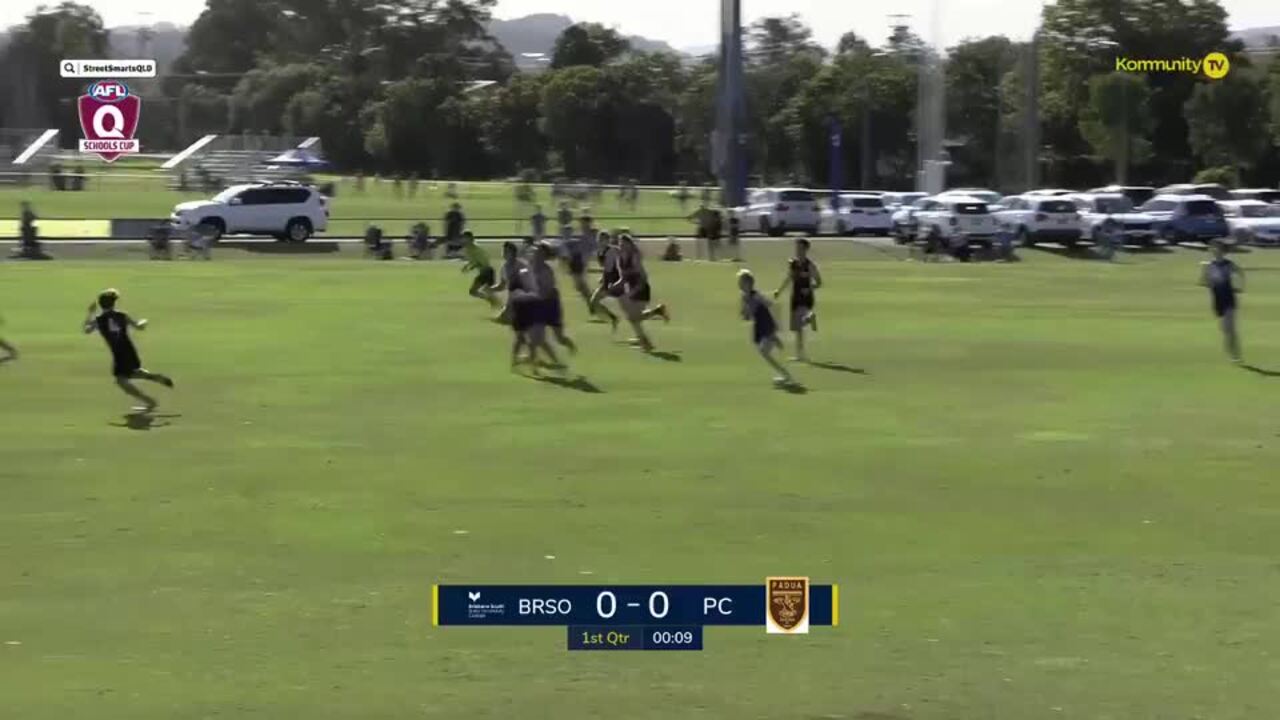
(1112, 212)
(1137, 194)
(1252, 222)
(1267, 195)
(1213, 190)
(1183, 218)
(902, 221)
(777, 211)
(287, 211)
(856, 214)
(955, 218)
(1040, 218)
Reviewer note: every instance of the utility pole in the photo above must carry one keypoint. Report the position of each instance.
(730, 137)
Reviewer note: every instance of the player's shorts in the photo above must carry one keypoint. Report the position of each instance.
(640, 293)
(577, 263)
(485, 278)
(801, 306)
(762, 332)
(552, 313)
(607, 281)
(1223, 304)
(523, 314)
(125, 364)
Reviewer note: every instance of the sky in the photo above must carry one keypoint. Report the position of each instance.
(695, 23)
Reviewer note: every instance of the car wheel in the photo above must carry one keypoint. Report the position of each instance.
(1024, 238)
(764, 226)
(298, 230)
(1170, 237)
(217, 228)
(841, 229)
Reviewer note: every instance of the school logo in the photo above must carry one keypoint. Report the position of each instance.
(787, 600)
(109, 118)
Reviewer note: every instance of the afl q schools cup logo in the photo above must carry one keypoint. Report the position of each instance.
(109, 118)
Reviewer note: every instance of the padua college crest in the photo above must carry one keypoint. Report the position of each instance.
(109, 119)
(787, 610)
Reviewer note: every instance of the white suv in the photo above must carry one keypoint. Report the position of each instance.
(1036, 218)
(776, 211)
(286, 211)
(957, 219)
(1103, 212)
(856, 214)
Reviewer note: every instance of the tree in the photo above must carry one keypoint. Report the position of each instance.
(773, 40)
(974, 71)
(573, 120)
(1227, 119)
(30, 63)
(261, 96)
(851, 44)
(589, 44)
(1117, 120)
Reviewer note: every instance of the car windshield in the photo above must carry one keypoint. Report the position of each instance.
(225, 196)
(1203, 207)
(865, 202)
(796, 196)
(1257, 211)
(1057, 206)
(1114, 205)
(971, 208)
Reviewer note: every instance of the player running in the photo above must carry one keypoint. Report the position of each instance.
(547, 311)
(578, 252)
(517, 312)
(636, 293)
(804, 279)
(1220, 275)
(114, 326)
(609, 277)
(764, 329)
(478, 259)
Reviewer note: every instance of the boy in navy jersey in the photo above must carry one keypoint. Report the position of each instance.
(114, 327)
(764, 329)
(1220, 276)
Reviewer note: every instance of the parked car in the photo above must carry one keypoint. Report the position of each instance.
(1267, 195)
(856, 214)
(1137, 194)
(895, 200)
(1213, 190)
(990, 197)
(1051, 192)
(1041, 218)
(777, 211)
(1252, 222)
(1096, 210)
(287, 211)
(954, 218)
(1180, 218)
(903, 220)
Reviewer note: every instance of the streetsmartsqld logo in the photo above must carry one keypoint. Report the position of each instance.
(109, 118)
(1214, 66)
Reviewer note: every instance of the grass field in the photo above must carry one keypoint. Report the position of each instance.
(1045, 495)
(490, 206)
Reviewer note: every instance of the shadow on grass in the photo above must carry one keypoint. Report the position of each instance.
(793, 388)
(1261, 371)
(838, 367)
(580, 383)
(665, 355)
(144, 421)
(283, 248)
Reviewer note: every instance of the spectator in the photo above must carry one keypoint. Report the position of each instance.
(538, 224)
(454, 224)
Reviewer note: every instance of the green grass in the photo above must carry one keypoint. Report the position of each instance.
(490, 206)
(1048, 497)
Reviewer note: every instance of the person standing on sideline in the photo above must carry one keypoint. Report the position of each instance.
(1225, 280)
(538, 225)
(126, 365)
(454, 223)
(565, 219)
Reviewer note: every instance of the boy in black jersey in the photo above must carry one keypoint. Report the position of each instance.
(518, 310)
(1220, 276)
(804, 279)
(764, 329)
(114, 327)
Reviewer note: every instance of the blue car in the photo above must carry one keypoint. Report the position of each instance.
(1183, 218)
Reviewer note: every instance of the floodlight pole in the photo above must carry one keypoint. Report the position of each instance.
(730, 138)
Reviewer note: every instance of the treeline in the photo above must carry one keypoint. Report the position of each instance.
(395, 86)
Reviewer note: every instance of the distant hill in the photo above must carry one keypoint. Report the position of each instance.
(536, 34)
(1258, 38)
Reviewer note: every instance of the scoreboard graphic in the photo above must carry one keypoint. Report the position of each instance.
(640, 617)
